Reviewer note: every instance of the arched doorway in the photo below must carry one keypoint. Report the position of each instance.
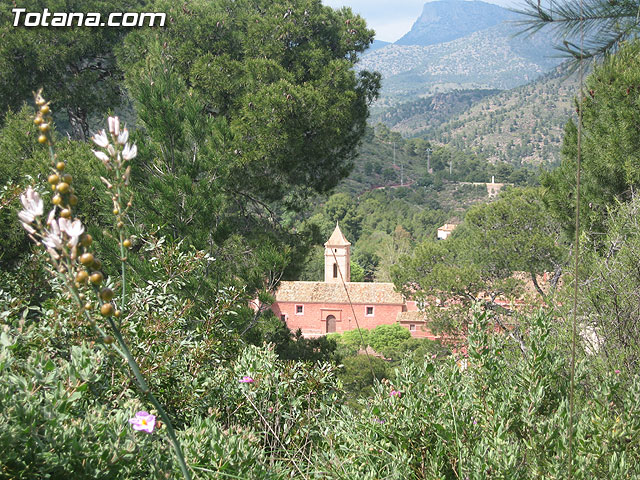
(331, 324)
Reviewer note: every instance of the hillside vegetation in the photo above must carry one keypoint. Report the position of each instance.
(490, 58)
(523, 125)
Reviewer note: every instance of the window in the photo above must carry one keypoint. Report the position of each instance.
(299, 309)
(369, 311)
(335, 270)
(412, 327)
(283, 317)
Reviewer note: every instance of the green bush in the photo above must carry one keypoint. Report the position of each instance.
(388, 339)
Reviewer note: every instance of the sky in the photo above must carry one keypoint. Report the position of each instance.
(391, 19)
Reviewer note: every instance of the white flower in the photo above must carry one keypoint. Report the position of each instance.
(123, 137)
(114, 126)
(25, 216)
(111, 150)
(33, 206)
(28, 228)
(72, 229)
(129, 152)
(52, 215)
(53, 240)
(101, 156)
(101, 139)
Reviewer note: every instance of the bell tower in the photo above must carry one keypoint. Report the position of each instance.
(337, 258)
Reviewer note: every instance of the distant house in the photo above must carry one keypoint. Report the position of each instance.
(446, 230)
(339, 305)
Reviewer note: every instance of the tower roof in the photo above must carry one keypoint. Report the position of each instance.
(337, 239)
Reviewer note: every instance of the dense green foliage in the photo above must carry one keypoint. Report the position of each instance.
(610, 147)
(248, 112)
(511, 234)
(76, 65)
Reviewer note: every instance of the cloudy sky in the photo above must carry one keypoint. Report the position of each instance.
(391, 19)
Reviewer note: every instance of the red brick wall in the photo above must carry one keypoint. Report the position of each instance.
(313, 319)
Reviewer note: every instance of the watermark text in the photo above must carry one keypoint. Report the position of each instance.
(22, 18)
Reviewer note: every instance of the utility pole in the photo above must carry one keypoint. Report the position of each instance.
(394, 154)
(429, 151)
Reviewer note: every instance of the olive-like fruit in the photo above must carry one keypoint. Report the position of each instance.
(86, 240)
(44, 127)
(86, 259)
(88, 306)
(67, 178)
(73, 200)
(108, 339)
(117, 313)
(96, 278)
(126, 243)
(45, 110)
(116, 211)
(63, 187)
(106, 310)
(65, 213)
(42, 139)
(106, 294)
(56, 200)
(60, 166)
(53, 178)
(38, 120)
(82, 276)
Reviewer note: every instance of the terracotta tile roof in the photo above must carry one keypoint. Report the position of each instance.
(414, 317)
(337, 239)
(321, 292)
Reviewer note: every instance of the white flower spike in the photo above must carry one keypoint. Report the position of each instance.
(129, 152)
(123, 137)
(101, 139)
(101, 156)
(72, 229)
(114, 126)
(33, 205)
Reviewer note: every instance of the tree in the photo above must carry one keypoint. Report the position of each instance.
(247, 109)
(75, 66)
(477, 263)
(609, 286)
(605, 24)
(610, 146)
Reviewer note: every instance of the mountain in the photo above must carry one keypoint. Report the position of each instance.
(448, 20)
(521, 125)
(377, 44)
(483, 51)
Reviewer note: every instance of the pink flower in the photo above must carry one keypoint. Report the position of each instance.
(144, 422)
(246, 379)
(395, 393)
(617, 372)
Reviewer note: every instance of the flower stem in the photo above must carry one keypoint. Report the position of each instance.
(142, 383)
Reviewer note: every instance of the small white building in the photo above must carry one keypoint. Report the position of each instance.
(446, 230)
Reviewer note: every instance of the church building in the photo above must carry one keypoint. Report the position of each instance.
(339, 305)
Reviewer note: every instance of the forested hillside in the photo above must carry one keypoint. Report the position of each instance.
(523, 125)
